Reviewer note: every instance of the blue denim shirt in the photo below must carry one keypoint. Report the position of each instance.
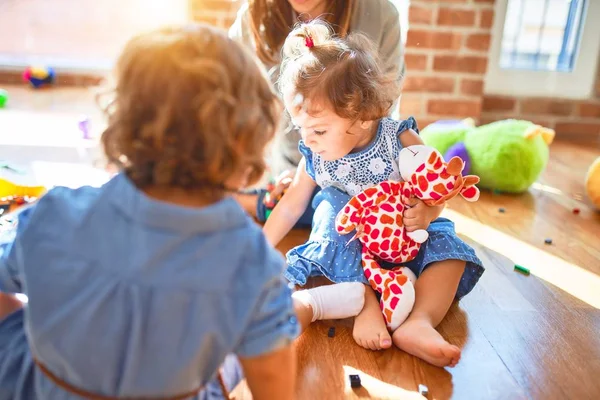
(133, 297)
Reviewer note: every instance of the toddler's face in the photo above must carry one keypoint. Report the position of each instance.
(323, 131)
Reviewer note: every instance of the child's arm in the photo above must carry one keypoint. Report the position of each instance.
(419, 216)
(410, 138)
(11, 233)
(10, 242)
(291, 206)
(265, 350)
(271, 376)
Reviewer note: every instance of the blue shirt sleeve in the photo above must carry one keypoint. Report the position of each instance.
(273, 324)
(11, 233)
(308, 156)
(408, 123)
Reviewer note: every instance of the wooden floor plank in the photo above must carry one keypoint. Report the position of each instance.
(546, 348)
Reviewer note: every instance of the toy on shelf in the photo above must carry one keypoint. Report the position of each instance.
(592, 183)
(508, 155)
(84, 127)
(3, 98)
(39, 76)
(376, 215)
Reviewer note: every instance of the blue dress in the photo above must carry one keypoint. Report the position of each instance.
(132, 297)
(330, 254)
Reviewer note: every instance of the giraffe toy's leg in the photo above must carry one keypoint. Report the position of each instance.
(372, 271)
(396, 288)
(399, 296)
(409, 274)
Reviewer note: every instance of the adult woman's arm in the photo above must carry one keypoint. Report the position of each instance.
(391, 47)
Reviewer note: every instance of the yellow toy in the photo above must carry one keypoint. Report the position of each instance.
(9, 189)
(592, 183)
(13, 196)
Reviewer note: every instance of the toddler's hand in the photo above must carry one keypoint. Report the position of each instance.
(276, 191)
(282, 182)
(419, 215)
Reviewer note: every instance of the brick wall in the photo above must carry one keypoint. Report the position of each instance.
(575, 120)
(446, 58)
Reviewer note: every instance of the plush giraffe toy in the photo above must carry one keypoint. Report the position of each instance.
(376, 214)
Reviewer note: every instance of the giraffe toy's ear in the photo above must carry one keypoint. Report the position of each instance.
(471, 180)
(434, 202)
(470, 192)
(455, 166)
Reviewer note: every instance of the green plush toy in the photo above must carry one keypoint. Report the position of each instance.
(508, 155)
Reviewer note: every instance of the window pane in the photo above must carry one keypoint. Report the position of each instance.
(541, 34)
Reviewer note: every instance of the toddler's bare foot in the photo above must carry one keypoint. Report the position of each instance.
(419, 338)
(370, 331)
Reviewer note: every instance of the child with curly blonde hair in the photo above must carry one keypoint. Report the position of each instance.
(142, 287)
(339, 98)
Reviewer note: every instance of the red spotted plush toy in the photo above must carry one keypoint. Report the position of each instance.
(376, 215)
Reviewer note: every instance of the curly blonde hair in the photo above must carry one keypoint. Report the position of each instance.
(344, 73)
(191, 109)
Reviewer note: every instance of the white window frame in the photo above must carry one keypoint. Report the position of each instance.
(577, 84)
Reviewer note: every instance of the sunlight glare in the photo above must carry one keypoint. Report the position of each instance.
(376, 388)
(545, 188)
(571, 278)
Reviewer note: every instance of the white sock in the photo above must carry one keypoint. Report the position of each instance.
(338, 301)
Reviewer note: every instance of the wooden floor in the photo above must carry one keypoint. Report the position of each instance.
(523, 337)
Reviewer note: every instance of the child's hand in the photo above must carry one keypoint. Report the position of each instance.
(282, 182)
(420, 215)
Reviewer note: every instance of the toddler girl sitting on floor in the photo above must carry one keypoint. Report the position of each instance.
(337, 95)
